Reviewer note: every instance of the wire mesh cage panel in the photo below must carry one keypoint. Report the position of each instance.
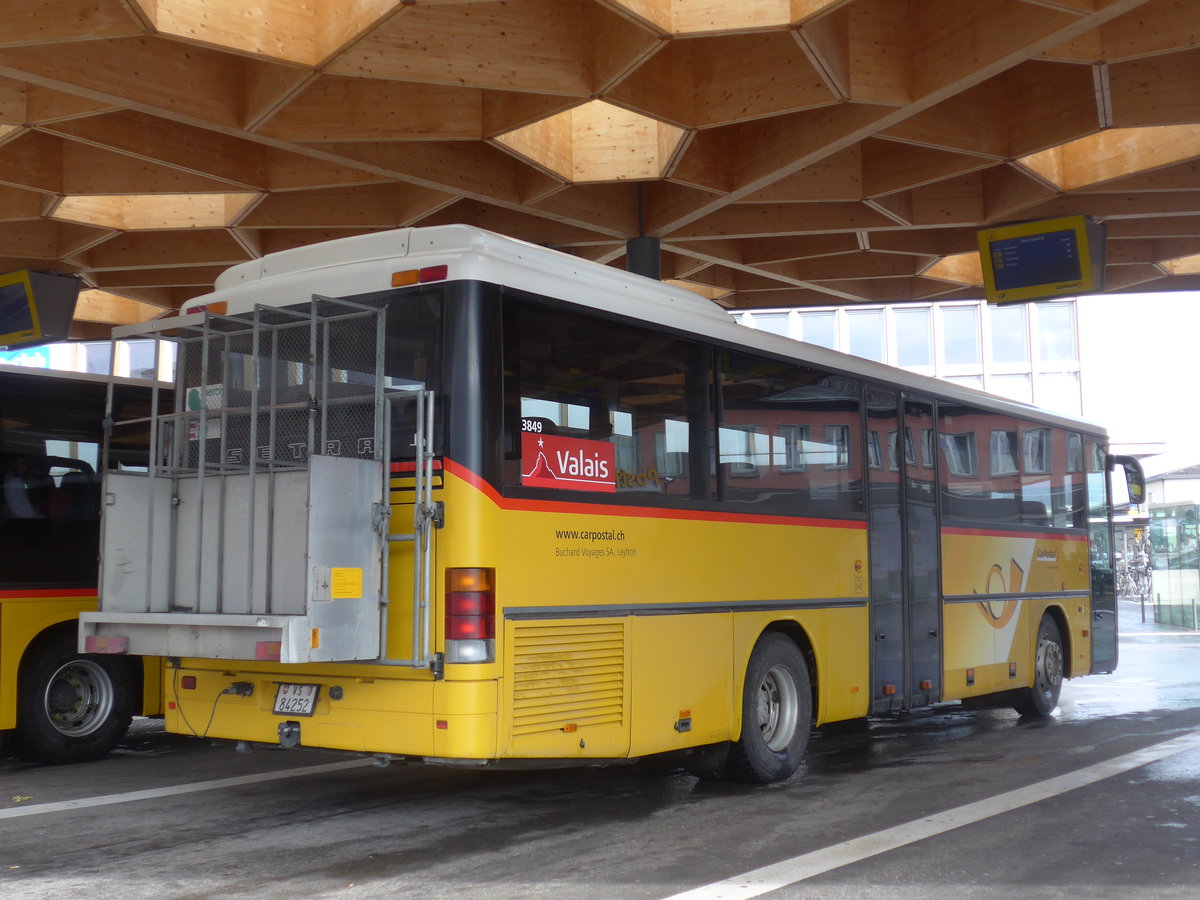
(263, 494)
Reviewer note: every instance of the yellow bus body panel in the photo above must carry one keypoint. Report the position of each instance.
(993, 639)
(22, 619)
(629, 642)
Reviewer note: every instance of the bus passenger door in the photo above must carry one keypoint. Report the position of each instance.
(922, 593)
(902, 517)
(885, 528)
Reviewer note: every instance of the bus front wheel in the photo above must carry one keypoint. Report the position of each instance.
(71, 707)
(1041, 699)
(776, 713)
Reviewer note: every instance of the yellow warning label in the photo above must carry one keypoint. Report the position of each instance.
(345, 584)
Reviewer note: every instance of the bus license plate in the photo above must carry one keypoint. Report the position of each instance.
(296, 699)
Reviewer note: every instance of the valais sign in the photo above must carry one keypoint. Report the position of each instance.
(568, 464)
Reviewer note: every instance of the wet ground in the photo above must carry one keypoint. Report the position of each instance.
(932, 804)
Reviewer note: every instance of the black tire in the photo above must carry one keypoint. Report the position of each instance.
(1048, 658)
(71, 707)
(776, 713)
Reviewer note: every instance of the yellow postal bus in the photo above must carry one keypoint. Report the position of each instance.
(446, 496)
(57, 705)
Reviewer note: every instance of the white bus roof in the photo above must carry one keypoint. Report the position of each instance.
(364, 264)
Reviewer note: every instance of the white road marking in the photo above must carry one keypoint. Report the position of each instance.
(761, 881)
(38, 809)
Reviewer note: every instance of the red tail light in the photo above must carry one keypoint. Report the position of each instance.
(470, 615)
(470, 604)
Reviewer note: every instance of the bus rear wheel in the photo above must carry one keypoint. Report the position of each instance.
(71, 707)
(776, 713)
(1040, 700)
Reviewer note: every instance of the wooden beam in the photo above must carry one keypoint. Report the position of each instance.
(955, 201)
(87, 169)
(1181, 177)
(918, 242)
(888, 167)
(857, 265)
(780, 297)
(340, 25)
(953, 41)
(837, 177)
(545, 47)
(663, 86)
(1051, 103)
(759, 251)
(14, 108)
(611, 208)
(339, 108)
(751, 76)
(966, 122)
(192, 276)
(1121, 278)
(1180, 226)
(474, 170)
(33, 160)
(1161, 90)
(47, 105)
(40, 22)
(267, 87)
(17, 204)
(507, 110)
(284, 171)
(826, 42)
(38, 239)
(112, 309)
(185, 147)
(1008, 190)
(522, 225)
(145, 72)
(1152, 29)
(882, 52)
(370, 206)
(618, 45)
(164, 249)
(774, 219)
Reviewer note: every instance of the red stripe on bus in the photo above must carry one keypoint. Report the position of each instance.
(48, 592)
(1039, 535)
(412, 466)
(637, 512)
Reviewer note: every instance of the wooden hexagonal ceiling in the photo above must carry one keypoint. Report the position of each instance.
(787, 151)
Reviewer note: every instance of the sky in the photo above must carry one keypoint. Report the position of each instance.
(1139, 357)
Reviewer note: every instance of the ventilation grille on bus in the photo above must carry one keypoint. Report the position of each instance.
(567, 675)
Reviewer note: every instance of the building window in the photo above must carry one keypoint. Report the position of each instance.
(960, 335)
(1004, 452)
(795, 441)
(775, 323)
(835, 454)
(819, 328)
(914, 342)
(1010, 334)
(865, 333)
(962, 457)
(1036, 443)
(1015, 387)
(1056, 328)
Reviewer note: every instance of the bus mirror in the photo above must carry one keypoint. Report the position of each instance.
(1135, 480)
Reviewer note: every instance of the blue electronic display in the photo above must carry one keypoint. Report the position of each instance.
(1047, 258)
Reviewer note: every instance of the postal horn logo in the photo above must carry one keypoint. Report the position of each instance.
(568, 464)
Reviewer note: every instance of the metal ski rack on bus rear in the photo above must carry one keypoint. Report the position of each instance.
(268, 476)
